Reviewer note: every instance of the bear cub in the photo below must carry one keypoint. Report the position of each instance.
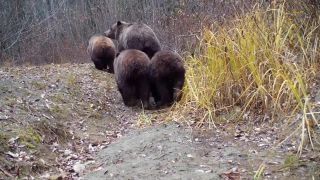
(134, 36)
(167, 75)
(102, 52)
(131, 74)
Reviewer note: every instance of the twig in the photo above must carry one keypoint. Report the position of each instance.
(4, 118)
(6, 172)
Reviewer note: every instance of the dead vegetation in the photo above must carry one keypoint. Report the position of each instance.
(56, 116)
(259, 67)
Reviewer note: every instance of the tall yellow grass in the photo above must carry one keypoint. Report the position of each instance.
(260, 63)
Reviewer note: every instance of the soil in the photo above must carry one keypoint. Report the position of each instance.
(69, 122)
(171, 151)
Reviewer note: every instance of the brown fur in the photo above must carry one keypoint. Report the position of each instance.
(131, 73)
(167, 76)
(102, 52)
(134, 36)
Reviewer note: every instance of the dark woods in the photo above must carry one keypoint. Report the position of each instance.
(57, 31)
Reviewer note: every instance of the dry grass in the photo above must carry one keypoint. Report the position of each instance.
(261, 63)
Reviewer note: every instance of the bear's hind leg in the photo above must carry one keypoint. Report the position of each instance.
(110, 67)
(98, 65)
(165, 94)
(177, 89)
(154, 91)
(128, 96)
(144, 93)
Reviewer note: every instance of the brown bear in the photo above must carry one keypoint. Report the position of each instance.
(131, 74)
(134, 36)
(167, 76)
(102, 52)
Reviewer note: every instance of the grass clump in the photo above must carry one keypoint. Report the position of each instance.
(30, 138)
(59, 112)
(291, 162)
(3, 143)
(261, 62)
(38, 85)
(72, 83)
(51, 131)
(144, 119)
(259, 172)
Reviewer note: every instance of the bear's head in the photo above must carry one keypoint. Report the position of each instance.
(116, 30)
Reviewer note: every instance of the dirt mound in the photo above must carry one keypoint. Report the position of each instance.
(174, 152)
(159, 153)
(54, 116)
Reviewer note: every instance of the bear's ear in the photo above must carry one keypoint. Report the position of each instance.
(119, 23)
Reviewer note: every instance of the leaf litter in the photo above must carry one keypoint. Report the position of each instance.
(68, 121)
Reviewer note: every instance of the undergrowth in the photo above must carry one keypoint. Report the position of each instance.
(262, 62)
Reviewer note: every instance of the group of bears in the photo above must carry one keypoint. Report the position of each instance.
(141, 68)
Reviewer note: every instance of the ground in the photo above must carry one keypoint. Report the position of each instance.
(171, 151)
(68, 121)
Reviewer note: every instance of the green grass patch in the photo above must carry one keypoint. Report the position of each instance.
(29, 137)
(291, 162)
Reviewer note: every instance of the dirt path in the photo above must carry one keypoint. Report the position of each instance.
(174, 152)
(163, 152)
(68, 121)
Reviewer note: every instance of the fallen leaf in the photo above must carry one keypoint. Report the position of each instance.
(232, 174)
